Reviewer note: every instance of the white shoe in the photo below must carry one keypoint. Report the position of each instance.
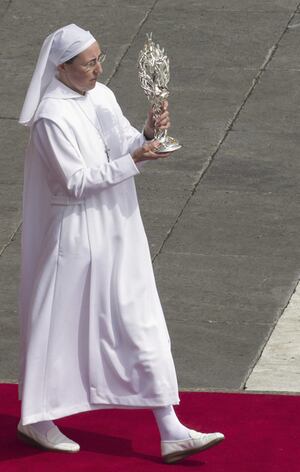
(174, 451)
(52, 440)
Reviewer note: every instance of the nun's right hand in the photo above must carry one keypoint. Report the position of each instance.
(147, 152)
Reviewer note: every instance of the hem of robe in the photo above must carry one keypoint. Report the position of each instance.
(57, 413)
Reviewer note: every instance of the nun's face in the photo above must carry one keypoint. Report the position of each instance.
(81, 74)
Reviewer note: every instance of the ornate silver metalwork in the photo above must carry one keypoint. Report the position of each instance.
(154, 75)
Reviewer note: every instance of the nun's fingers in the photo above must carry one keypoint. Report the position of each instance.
(152, 155)
(165, 105)
(163, 122)
(161, 155)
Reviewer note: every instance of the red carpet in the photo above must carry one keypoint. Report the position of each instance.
(262, 435)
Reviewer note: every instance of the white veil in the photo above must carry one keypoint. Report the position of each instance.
(57, 48)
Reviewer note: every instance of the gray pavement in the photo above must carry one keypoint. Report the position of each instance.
(221, 214)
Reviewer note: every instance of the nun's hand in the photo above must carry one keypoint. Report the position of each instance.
(163, 121)
(147, 152)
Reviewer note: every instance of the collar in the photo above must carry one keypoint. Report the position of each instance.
(56, 89)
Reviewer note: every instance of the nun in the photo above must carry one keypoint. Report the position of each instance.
(92, 330)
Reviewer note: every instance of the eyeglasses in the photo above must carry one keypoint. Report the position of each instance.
(90, 65)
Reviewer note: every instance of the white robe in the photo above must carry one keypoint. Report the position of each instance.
(93, 334)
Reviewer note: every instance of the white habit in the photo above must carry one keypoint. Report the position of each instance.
(93, 334)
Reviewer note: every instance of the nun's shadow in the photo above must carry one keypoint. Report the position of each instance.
(11, 447)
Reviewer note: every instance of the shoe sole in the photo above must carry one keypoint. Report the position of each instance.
(26, 439)
(178, 456)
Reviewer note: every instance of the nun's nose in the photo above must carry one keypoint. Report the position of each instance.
(98, 68)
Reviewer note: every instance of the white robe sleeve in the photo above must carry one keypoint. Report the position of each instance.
(61, 157)
(135, 138)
